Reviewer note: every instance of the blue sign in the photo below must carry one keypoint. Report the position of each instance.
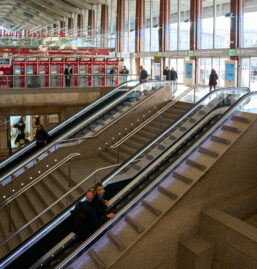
(189, 70)
(230, 72)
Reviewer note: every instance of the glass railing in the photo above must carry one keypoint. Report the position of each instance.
(247, 103)
(209, 107)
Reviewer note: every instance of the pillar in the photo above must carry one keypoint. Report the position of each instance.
(55, 26)
(164, 24)
(91, 22)
(80, 25)
(70, 26)
(139, 30)
(104, 24)
(236, 33)
(120, 25)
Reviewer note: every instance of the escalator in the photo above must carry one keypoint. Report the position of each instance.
(127, 181)
(83, 121)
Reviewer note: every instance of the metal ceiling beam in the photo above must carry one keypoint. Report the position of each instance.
(82, 4)
(67, 7)
(14, 18)
(32, 13)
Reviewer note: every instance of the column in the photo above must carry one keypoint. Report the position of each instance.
(120, 25)
(236, 8)
(195, 24)
(104, 25)
(139, 30)
(80, 25)
(164, 24)
(70, 26)
(91, 22)
(55, 26)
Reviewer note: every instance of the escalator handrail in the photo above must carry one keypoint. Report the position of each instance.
(130, 161)
(107, 226)
(67, 121)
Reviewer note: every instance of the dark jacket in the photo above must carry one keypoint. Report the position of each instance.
(213, 78)
(112, 71)
(173, 75)
(42, 135)
(124, 71)
(67, 73)
(99, 206)
(94, 221)
(167, 73)
(143, 75)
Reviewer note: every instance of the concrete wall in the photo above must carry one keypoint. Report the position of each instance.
(235, 171)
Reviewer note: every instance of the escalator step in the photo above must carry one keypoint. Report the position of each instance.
(150, 207)
(195, 164)
(208, 152)
(97, 260)
(239, 118)
(116, 241)
(219, 139)
(230, 129)
(183, 178)
(167, 193)
(134, 224)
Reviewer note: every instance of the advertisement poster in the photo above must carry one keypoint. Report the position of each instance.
(189, 70)
(230, 72)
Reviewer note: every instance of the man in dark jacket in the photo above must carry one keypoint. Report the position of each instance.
(167, 73)
(68, 73)
(98, 202)
(173, 75)
(213, 79)
(41, 136)
(124, 71)
(143, 74)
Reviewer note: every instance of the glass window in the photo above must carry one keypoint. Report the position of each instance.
(222, 38)
(249, 25)
(132, 15)
(147, 24)
(173, 24)
(155, 23)
(207, 25)
(184, 33)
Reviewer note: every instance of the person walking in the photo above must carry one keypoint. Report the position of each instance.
(68, 73)
(174, 78)
(41, 136)
(143, 74)
(124, 71)
(167, 73)
(112, 73)
(213, 79)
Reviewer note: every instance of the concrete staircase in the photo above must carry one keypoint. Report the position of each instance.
(110, 249)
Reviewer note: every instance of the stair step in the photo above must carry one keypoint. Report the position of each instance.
(230, 129)
(167, 193)
(219, 139)
(195, 164)
(116, 241)
(208, 152)
(240, 118)
(99, 263)
(134, 224)
(150, 207)
(183, 178)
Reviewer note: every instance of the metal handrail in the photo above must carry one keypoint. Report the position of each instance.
(149, 188)
(39, 178)
(60, 199)
(87, 108)
(125, 138)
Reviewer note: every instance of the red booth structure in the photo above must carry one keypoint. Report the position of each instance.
(19, 69)
(31, 80)
(5, 73)
(85, 68)
(98, 68)
(43, 71)
(112, 63)
(56, 71)
(73, 62)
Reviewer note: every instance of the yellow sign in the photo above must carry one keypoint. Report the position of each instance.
(157, 59)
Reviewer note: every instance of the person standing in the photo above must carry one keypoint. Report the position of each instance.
(112, 73)
(143, 74)
(213, 79)
(167, 73)
(174, 78)
(124, 71)
(68, 73)
(41, 136)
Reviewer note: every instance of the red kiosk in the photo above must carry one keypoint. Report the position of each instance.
(85, 68)
(112, 63)
(43, 71)
(73, 62)
(56, 71)
(5, 70)
(31, 72)
(98, 68)
(19, 69)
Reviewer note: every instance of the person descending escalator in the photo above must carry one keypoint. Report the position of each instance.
(84, 218)
(41, 136)
(143, 74)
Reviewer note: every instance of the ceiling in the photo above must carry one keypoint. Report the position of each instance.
(41, 12)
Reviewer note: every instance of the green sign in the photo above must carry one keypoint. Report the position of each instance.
(232, 52)
(159, 54)
(191, 53)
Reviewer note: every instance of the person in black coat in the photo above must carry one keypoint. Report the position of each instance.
(98, 202)
(173, 74)
(68, 73)
(143, 74)
(213, 79)
(41, 136)
(167, 73)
